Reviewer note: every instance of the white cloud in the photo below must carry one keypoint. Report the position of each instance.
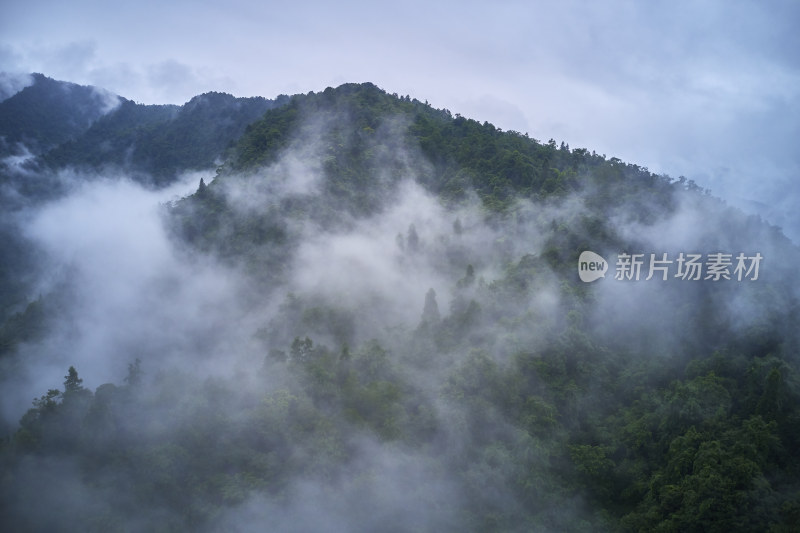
(12, 83)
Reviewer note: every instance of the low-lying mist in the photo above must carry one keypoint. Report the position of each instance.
(418, 365)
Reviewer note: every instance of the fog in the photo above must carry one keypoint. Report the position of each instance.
(124, 285)
(118, 279)
(11, 84)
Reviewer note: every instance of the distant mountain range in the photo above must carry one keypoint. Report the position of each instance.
(67, 125)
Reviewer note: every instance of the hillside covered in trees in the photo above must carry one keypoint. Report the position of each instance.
(368, 316)
(55, 136)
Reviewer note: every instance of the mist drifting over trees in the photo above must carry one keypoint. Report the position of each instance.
(349, 311)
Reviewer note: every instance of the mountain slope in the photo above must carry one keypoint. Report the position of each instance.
(48, 113)
(160, 141)
(56, 136)
(370, 318)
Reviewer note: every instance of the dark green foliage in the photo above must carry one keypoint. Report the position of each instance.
(465, 155)
(526, 403)
(159, 141)
(368, 141)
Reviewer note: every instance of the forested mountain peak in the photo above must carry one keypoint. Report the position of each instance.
(49, 112)
(70, 126)
(160, 141)
(370, 315)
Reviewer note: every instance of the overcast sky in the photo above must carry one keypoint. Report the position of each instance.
(705, 89)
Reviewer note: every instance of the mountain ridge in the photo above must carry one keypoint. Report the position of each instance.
(369, 316)
(49, 112)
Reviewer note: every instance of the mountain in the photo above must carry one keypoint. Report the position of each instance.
(161, 141)
(51, 130)
(372, 316)
(48, 113)
(53, 125)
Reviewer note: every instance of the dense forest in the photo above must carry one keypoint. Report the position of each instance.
(367, 316)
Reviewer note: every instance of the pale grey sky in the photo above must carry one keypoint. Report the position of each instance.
(706, 89)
